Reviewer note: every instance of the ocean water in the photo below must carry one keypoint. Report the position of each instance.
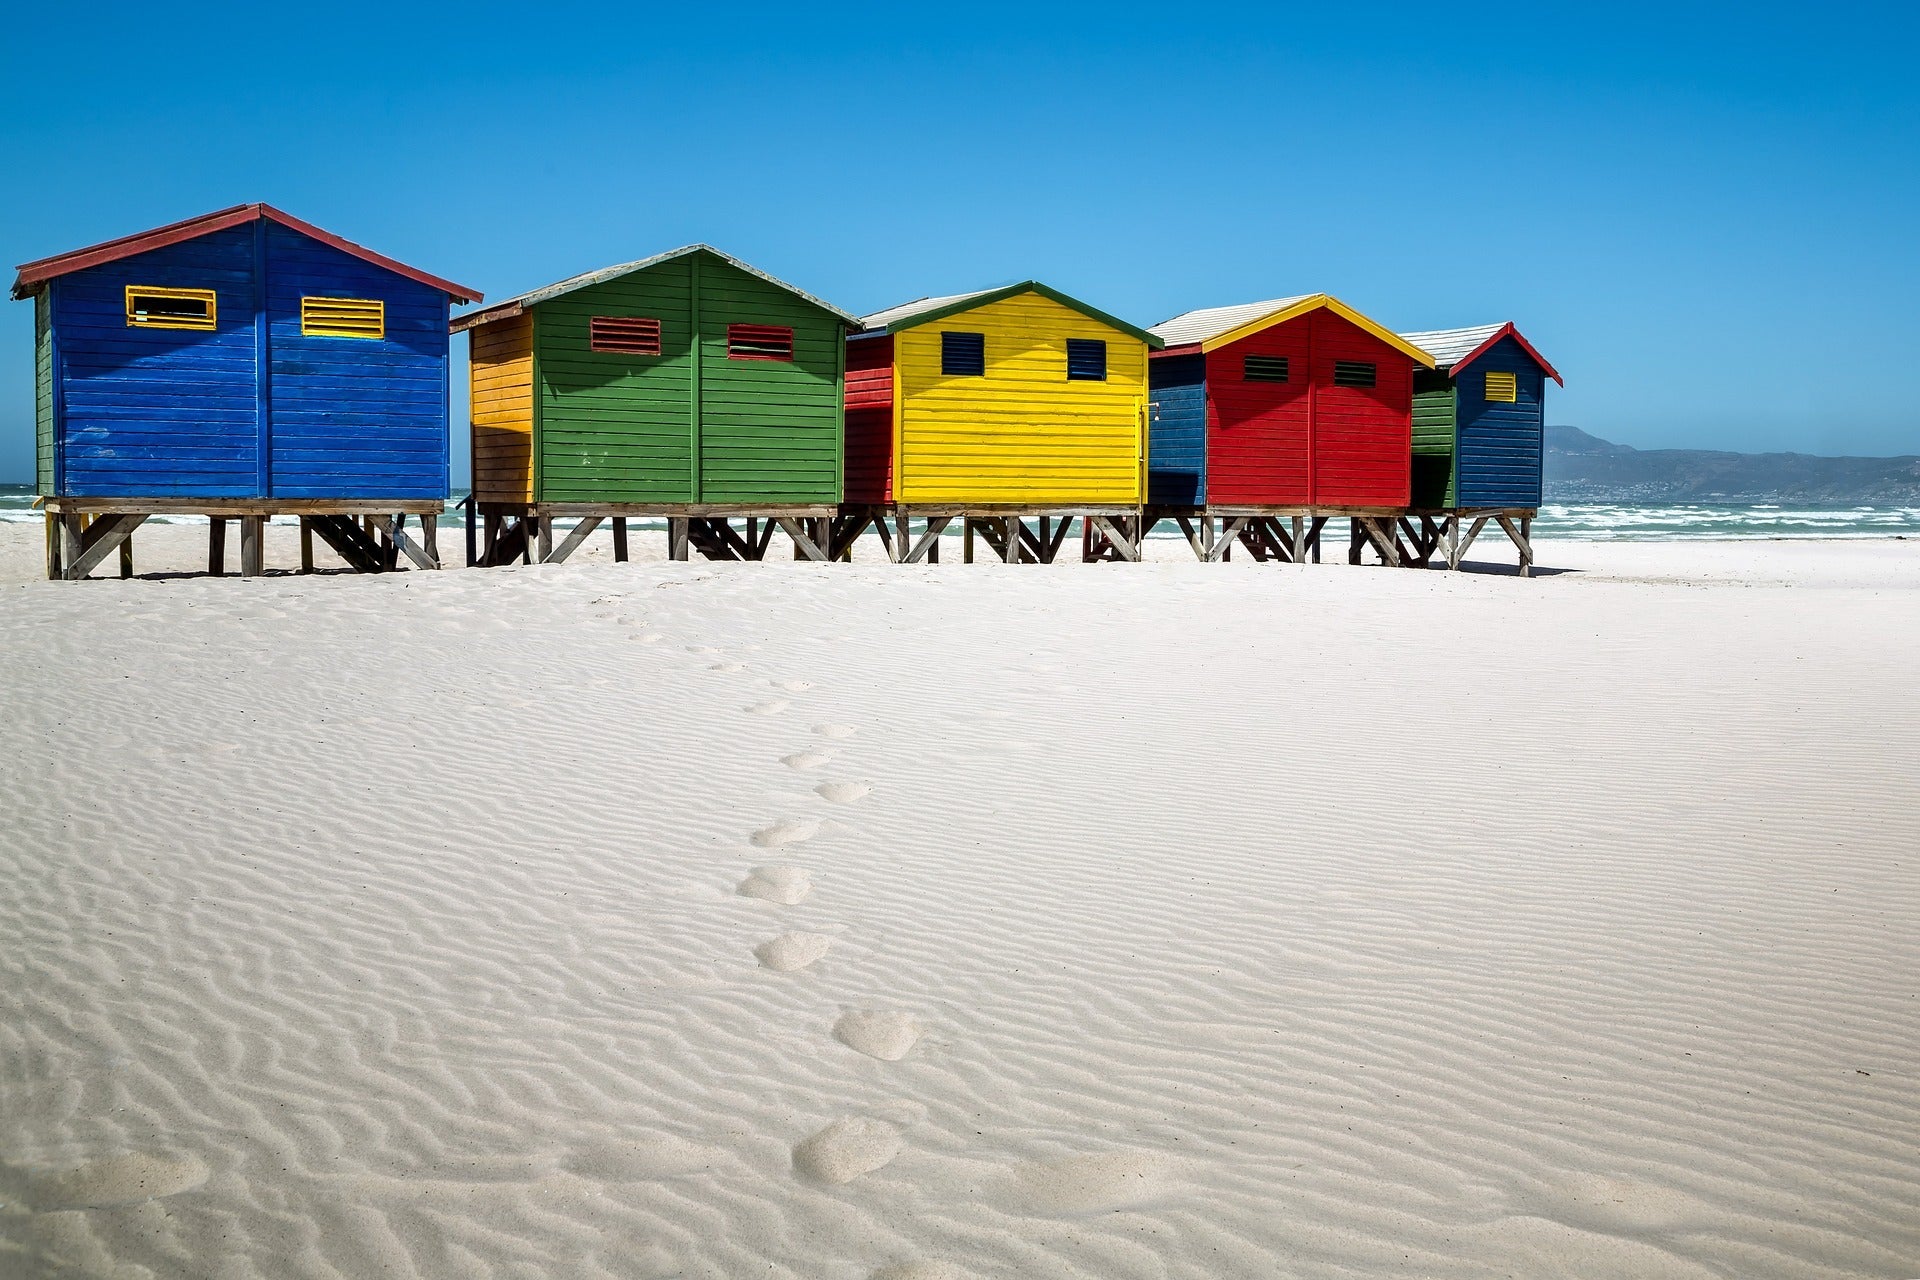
(1586, 521)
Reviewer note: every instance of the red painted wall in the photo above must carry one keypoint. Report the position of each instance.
(1307, 441)
(869, 401)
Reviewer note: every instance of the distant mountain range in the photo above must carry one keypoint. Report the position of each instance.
(1585, 468)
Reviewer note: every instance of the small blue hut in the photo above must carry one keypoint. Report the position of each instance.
(237, 365)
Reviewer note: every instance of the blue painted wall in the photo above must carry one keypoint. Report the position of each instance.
(1497, 447)
(1177, 430)
(186, 413)
(354, 417)
(158, 412)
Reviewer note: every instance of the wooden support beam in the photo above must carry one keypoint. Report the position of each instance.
(1314, 531)
(927, 550)
(1059, 539)
(678, 536)
(1473, 531)
(1193, 538)
(543, 531)
(430, 538)
(1230, 528)
(1299, 541)
(571, 543)
(1123, 548)
(98, 540)
(395, 542)
(1522, 542)
(803, 544)
(252, 554)
(619, 539)
(306, 545)
(126, 555)
(473, 515)
(216, 545)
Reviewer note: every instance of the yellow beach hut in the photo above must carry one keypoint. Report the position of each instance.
(994, 408)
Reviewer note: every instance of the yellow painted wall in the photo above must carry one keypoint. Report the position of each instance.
(1023, 433)
(501, 373)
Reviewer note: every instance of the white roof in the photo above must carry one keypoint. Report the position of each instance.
(1204, 325)
(1450, 346)
(881, 319)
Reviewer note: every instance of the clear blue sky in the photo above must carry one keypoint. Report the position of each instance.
(1708, 217)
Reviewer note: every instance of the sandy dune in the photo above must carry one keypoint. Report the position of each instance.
(848, 921)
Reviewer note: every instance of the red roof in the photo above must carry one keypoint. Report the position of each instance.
(34, 274)
(1508, 331)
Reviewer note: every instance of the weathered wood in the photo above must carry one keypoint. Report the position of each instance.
(96, 542)
(216, 545)
(1473, 531)
(619, 539)
(1122, 547)
(928, 548)
(1193, 537)
(1229, 533)
(966, 541)
(678, 536)
(803, 544)
(52, 523)
(543, 527)
(306, 545)
(1519, 536)
(72, 532)
(126, 554)
(1299, 540)
(350, 542)
(1059, 539)
(253, 531)
(472, 516)
(580, 532)
(430, 538)
(231, 508)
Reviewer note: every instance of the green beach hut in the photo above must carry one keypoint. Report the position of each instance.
(687, 386)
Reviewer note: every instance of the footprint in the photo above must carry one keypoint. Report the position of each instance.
(792, 686)
(646, 637)
(805, 759)
(1092, 1184)
(122, 1179)
(877, 1033)
(787, 886)
(703, 649)
(843, 792)
(773, 708)
(792, 951)
(788, 831)
(728, 666)
(848, 1148)
(835, 731)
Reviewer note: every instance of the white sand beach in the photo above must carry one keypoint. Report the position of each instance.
(846, 921)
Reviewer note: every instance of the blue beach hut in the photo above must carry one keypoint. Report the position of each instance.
(238, 365)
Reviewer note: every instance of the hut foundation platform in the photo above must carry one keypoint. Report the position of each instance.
(370, 536)
(1014, 534)
(1438, 531)
(1286, 534)
(503, 533)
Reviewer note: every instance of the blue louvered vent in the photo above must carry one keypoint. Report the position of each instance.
(1354, 373)
(963, 355)
(1086, 360)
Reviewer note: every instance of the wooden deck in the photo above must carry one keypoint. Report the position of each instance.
(370, 536)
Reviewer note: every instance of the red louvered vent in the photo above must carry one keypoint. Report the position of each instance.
(626, 335)
(759, 342)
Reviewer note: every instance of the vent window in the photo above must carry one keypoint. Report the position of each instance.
(1264, 369)
(759, 342)
(1503, 387)
(963, 355)
(1086, 360)
(624, 335)
(343, 317)
(155, 308)
(1354, 373)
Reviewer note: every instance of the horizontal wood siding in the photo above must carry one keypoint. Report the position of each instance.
(160, 412)
(616, 427)
(42, 392)
(1259, 433)
(1362, 436)
(1498, 454)
(500, 386)
(1432, 440)
(769, 429)
(1023, 433)
(1177, 429)
(354, 417)
(869, 419)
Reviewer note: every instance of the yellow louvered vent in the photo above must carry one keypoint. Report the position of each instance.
(1503, 387)
(343, 317)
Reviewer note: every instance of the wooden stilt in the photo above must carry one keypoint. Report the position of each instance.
(677, 537)
(430, 538)
(579, 534)
(253, 531)
(1526, 546)
(126, 556)
(306, 545)
(966, 540)
(472, 551)
(1010, 548)
(619, 539)
(216, 545)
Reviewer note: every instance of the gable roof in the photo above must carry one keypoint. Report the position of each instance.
(1455, 349)
(1214, 327)
(520, 302)
(922, 310)
(34, 275)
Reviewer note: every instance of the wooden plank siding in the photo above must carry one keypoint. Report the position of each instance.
(353, 417)
(869, 419)
(1023, 433)
(152, 412)
(43, 394)
(1433, 419)
(1362, 436)
(1498, 450)
(1177, 429)
(500, 386)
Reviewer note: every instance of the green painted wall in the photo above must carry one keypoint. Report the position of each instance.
(622, 428)
(1433, 430)
(42, 394)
